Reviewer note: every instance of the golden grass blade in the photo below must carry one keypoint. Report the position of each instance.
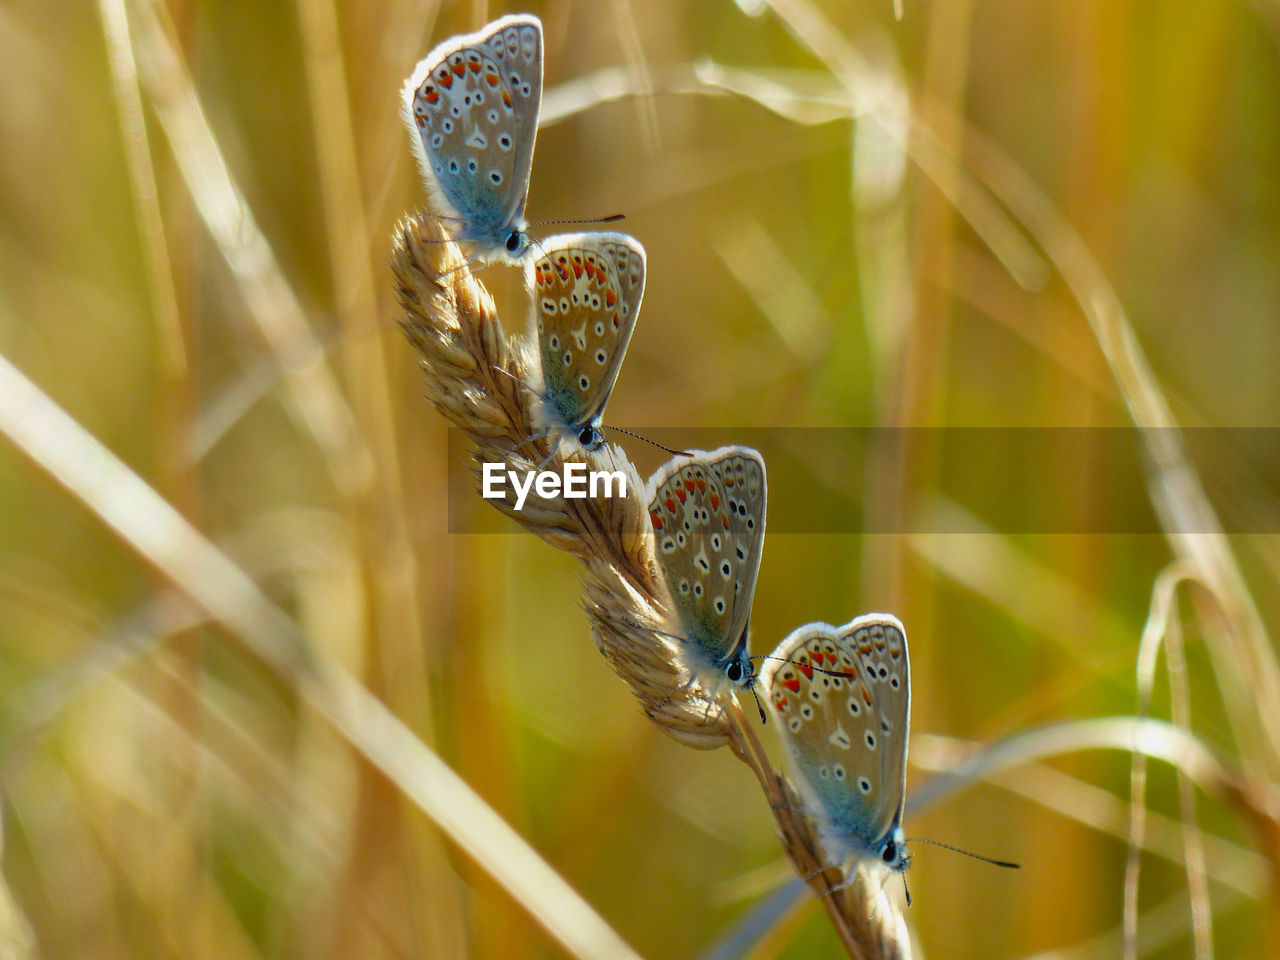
(391, 562)
(961, 765)
(1244, 662)
(142, 179)
(1163, 630)
(1155, 738)
(271, 302)
(145, 521)
(767, 273)
(638, 68)
(17, 942)
(1188, 518)
(1161, 927)
(1233, 866)
(995, 567)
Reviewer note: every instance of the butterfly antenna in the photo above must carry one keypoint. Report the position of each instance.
(841, 674)
(543, 250)
(968, 853)
(611, 218)
(674, 453)
(906, 889)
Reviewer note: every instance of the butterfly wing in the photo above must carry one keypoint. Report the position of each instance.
(881, 644)
(846, 736)
(708, 513)
(472, 108)
(587, 289)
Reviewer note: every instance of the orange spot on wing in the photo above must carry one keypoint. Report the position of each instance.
(491, 79)
(432, 96)
(670, 504)
(681, 494)
(506, 98)
(725, 521)
(446, 80)
(459, 69)
(792, 684)
(657, 519)
(475, 66)
(806, 670)
(715, 501)
(702, 485)
(866, 695)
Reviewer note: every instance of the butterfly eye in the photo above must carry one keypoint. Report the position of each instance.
(587, 436)
(890, 852)
(513, 241)
(734, 672)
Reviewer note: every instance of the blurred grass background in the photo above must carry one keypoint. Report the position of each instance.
(195, 197)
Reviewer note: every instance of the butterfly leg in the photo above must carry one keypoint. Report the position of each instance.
(534, 438)
(680, 689)
(518, 379)
(465, 265)
(849, 881)
(547, 459)
(713, 700)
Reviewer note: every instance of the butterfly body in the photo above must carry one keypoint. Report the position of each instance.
(471, 106)
(708, 515)
(587, 289)
(842, 699)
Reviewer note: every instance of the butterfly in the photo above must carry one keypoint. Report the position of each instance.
(587, 289)
(842, 696)
(471, 106)
(708, 515)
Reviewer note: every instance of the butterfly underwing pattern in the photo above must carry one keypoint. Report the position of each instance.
(842, 700)
(471, 106)
(708, 515)
(587, 289)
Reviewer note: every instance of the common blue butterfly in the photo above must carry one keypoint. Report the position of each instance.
(708, 515)
(842, 696)
(471, 106)
(587, 289)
